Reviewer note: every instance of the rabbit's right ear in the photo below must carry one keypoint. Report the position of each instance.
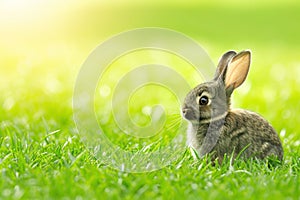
(237, 69)
(223, 62)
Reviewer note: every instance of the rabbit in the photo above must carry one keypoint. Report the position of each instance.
(216, 129)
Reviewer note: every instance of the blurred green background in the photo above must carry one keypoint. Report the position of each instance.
(44, 43)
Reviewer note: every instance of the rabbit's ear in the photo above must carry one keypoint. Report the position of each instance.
(237, 69)
(223, 62)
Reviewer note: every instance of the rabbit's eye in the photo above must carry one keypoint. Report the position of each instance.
(203, 100)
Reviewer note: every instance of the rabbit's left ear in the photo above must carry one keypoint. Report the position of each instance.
(237, 69)
(223, 63)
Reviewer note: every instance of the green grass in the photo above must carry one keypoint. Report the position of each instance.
(57, 165)
(41, 155)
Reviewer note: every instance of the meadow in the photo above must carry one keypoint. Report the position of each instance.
(42, 48)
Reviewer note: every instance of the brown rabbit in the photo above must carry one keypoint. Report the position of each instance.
(216, 128)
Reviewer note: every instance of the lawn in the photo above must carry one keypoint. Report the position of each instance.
(43, 46)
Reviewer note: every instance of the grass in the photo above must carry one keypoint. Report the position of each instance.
(41, 154)
(58, 166)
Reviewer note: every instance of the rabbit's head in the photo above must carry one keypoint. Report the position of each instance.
(211, 100)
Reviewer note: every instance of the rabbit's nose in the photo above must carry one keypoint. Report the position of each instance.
(187, 113)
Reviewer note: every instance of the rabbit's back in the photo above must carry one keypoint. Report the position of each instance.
(248, 132)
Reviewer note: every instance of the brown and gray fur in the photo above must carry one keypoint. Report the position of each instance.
(217, 129)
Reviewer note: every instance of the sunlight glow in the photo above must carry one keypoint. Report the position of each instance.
(19, 6)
